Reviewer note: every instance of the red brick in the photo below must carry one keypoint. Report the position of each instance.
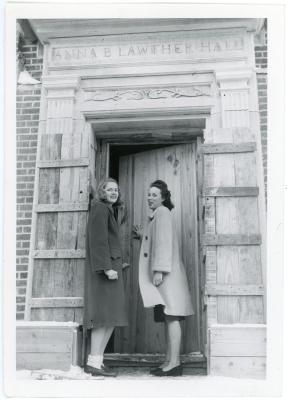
(23, 222)
(31, 98)
(30, 111)
(25, 207)
(27, 150)
(23, 237)
(24, 105)
(21, 283)
(23, 117)
(20, 124)
(21, 290)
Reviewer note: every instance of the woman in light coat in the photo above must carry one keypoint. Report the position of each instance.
(162, 277)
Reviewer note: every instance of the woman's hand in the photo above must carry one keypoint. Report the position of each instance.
(111, 274)
(137, 231)
(157, 278)
(125, 265)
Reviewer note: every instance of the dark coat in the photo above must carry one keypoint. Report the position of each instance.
(104, 299)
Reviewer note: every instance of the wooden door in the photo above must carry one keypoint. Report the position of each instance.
(176, 165)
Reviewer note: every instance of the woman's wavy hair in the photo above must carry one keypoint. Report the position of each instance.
(118, 206)
(165, 193)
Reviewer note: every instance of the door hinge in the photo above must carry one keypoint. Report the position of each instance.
(203, 212)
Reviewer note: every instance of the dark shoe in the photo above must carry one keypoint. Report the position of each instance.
(176, 371)
(156, 369)
(107, 369)
(98, 371)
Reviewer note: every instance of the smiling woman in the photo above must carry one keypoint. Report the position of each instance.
(162, 276)
(105, 304)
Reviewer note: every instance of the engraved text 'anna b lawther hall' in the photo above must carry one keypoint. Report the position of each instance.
(179, 49)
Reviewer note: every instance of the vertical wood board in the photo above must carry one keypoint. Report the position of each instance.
(238, 367)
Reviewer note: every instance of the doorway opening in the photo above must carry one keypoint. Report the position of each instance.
(135, 166)
(135, 153)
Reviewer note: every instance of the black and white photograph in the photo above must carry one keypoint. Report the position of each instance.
(142, 180)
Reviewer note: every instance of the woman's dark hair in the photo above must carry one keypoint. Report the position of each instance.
(165, 193)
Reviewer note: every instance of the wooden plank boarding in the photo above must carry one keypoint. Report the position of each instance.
(221, 148)
(137, 359)
(230, 240)
(38, 361)
(44, 345)
(60, 253)
(238, 341)
(233, 290)
(238, 367)
(63, 207)
(80, 162)
(51, 302)
(230, 191)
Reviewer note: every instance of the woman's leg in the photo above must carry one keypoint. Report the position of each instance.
(99, 340)
(167, 345)
(106, 338)
(174, 337)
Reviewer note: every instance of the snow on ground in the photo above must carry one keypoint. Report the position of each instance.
(77, 373)
(53, 374)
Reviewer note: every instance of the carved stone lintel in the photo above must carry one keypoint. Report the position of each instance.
(149, 93)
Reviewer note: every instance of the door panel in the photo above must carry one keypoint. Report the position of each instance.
(175, 165)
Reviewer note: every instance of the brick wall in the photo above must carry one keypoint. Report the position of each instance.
(261, 68)
(27, 106)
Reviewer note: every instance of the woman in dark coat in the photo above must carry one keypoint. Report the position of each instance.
(104, 299)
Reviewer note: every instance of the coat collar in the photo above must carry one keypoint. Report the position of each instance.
(152, 214)
(109, 206)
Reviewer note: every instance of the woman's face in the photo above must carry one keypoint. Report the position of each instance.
(154, 198)
(112, 192)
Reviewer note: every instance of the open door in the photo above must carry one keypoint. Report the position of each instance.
(177, 166)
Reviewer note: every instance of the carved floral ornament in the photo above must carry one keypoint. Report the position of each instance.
(149, 93)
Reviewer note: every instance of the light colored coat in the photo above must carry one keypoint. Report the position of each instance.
(160, 252)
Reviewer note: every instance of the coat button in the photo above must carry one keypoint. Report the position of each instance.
(145, 254)
(146, 238)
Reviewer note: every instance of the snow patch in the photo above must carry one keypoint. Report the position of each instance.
(74, 372)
